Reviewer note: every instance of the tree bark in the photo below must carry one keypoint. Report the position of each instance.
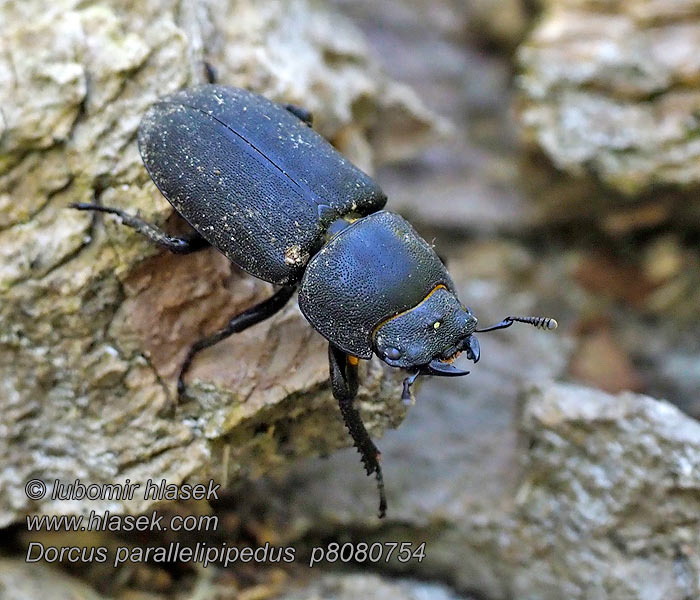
(94, 321)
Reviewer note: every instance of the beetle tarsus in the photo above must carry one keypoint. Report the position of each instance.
(382, 495)
(407, 383)
(301, 113)
(209, 72)
(344, 385)
(177, 245)
(248, 318)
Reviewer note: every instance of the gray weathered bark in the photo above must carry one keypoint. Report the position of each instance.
(579, 494)
(611, 88)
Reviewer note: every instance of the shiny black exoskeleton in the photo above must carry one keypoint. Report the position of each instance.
(255, 181)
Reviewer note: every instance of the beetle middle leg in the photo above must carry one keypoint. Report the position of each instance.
(344, 384)
(241, 321)
(178, 245)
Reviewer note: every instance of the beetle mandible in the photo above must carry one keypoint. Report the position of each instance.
(255, 181)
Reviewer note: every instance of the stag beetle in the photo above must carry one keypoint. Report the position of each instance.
(255, 181)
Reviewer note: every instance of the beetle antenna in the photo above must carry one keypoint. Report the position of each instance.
(539, 322)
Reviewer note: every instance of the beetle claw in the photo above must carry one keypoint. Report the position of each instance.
(473, 349)
(441, 369)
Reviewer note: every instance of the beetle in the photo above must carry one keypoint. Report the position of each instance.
(255, 181)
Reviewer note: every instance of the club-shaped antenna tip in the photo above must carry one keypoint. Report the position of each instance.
(539, 322)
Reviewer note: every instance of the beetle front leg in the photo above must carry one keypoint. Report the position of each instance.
(177, 245)
(343, 372)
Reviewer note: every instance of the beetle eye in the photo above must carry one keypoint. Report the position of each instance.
(392, 353)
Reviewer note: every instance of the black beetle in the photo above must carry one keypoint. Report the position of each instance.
(255, 181)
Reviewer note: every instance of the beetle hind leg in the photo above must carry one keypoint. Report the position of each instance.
(241, 321)
(177, 245)
(344, 384)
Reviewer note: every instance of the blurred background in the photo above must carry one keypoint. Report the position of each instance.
(550, 149)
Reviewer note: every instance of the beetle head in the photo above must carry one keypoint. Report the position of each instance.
(429, 336)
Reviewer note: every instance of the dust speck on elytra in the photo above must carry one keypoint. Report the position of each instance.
(295, 256)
